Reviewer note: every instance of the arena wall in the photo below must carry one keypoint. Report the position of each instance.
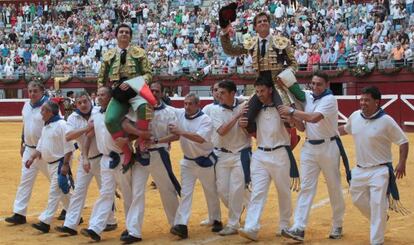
(399, 106)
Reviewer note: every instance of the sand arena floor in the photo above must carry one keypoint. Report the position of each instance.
(156, 228)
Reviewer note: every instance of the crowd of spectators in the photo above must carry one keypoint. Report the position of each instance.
(182, 36)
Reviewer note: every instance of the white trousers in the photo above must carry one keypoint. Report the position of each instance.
(104, 205)
(77, 201)
(314, 159)
(168, 194)
(28, 178)
(137, 178)
(265, 167)
(230, 185)
(190, 172)
(55, 194)
(369, 195)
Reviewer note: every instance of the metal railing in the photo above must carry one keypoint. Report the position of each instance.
(387, 64)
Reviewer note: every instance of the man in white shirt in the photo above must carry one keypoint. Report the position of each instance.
(233, 149)
(272, 161)
(320, 152)
(214, 92)
(158, 164)
(302, 59)
(373, 132)
(89, 164)
(32, 130)
(111, 173)
(208, 109)
(195, 129)
(57, 152)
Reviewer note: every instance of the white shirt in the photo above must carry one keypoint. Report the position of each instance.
(202, 126)
(32, 124)
(236, 139)
(271, 131)
(208, 109)
(326, 127)
(52, 144)
(159, 124)
(302, 58)
(279, 11)
(145, 12)
(104, 140)
(373, 138)
(75, 122)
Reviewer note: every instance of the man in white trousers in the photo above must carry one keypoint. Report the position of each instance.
(207, 109)
(320, 152)
(374, 132)
(233, 150)
(111, 171)
(195, 129)
(32, 129)
(88, 167)
(270, 162)
(56, 151)
(135, 179)
(158, 164)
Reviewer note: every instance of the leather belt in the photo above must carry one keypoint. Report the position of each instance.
(223, 150)
(318, 142)
(94, 157)
(60, 159)
(270, 149)
(382, 164)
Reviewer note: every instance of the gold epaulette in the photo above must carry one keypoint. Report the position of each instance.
(280, 42)
(250, 42)
(107, 56)
(136, 52)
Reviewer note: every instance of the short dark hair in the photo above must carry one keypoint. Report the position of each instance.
(157, 82)
(259, 15)
(212, 86)
(264, 80)
(54, 107)
(194, 97)
(228, 85)
(322, 75)
(69, 93)
(36, 84)
(108, 90)
(373, 91)
(82, 93)
(121, 26)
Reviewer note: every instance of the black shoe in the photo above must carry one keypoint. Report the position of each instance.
(124, 234)
(111, 227)
(62, 215)
(128, 239)
(16, 219)
(217, 226)
(295, 234)
(43, 227)
(180, 230)
(91, 234)
(336, 233)
(67, 230)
